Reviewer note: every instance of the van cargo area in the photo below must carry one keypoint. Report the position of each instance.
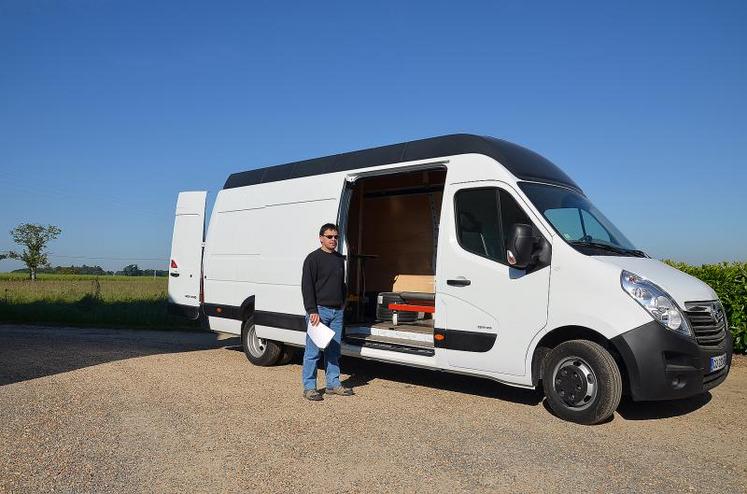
(392, 237)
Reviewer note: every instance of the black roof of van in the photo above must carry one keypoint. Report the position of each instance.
(523, 163)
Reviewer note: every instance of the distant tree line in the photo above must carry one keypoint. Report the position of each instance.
(129, 270)
(134, 270)
(34, 238)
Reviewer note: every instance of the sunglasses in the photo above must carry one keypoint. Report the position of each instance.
(331, 236)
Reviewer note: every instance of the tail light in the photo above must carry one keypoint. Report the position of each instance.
(173, 264)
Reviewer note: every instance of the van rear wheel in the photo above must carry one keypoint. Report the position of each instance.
(258, 350)
(582, 382)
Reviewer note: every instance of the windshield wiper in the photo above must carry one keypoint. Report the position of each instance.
(637, 252)
(608, 247)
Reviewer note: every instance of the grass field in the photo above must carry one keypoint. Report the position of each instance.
(87, 300)
(74, 277)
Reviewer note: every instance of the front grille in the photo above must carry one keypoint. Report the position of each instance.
(708, 322)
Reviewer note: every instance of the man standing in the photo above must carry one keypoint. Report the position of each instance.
(323, 289)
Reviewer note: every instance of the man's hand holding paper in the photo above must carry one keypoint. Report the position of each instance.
(320, 334)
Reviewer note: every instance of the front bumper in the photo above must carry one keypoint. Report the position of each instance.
(662, 365)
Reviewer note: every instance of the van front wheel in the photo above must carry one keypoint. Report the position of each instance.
(258, 350)
(582, 382)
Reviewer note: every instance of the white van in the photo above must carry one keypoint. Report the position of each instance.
(464, 254)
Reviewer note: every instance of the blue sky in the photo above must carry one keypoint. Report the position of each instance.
(109, 109)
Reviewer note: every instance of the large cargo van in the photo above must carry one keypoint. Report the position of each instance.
(464, 254)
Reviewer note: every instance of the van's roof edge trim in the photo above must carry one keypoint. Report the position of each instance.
(521, 162)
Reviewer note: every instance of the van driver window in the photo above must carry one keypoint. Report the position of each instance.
(478, 225)
(484, 219)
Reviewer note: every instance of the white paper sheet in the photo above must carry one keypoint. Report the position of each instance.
(320, 334)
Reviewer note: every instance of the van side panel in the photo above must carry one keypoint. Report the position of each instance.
(586, 292)
(260, 234)
(257, 240)
(579, 282)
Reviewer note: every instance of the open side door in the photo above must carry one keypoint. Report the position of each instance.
(185, 266)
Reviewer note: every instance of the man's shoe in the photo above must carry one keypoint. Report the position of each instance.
(312, 395)
(340, 390)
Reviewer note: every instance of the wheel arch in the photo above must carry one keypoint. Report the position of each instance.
(566, 333)
(246, 310)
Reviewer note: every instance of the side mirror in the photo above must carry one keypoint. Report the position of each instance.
(520, 246)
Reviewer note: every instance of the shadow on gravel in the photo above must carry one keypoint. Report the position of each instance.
(363, 371)
(546, 404)
(652, 410)
(90, 310)
(649, 410)
(28, 352)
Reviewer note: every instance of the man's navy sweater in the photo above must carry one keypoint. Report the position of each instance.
(323, 280)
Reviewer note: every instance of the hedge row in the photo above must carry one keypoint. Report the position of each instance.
(729, 280)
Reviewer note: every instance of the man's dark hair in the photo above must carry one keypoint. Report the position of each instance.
(328, 226)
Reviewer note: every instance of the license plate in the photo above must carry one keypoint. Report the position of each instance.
(718, 362)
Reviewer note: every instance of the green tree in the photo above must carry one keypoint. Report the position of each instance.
(34, 239)
(132, 270)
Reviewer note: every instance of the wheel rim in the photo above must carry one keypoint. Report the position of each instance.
(575, 383)
(254, 343)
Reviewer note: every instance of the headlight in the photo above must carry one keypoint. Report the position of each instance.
(656, 302)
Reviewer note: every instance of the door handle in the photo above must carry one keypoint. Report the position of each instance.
(461, 281)
(175, 275)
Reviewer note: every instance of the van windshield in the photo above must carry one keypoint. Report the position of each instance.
(576, 219)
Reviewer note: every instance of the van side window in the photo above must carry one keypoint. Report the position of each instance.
(484, 218)
(478, 224)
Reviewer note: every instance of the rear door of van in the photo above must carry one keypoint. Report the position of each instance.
(185, 266)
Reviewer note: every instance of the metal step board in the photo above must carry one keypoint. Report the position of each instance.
(353, 342)
(404, 335)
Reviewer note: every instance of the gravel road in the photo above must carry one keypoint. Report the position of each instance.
(94, 410)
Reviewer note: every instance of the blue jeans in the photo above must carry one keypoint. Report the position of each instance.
(333, 319)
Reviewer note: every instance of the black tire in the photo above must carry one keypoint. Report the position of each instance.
(582, 382)
(258, 350)
(288, 354)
